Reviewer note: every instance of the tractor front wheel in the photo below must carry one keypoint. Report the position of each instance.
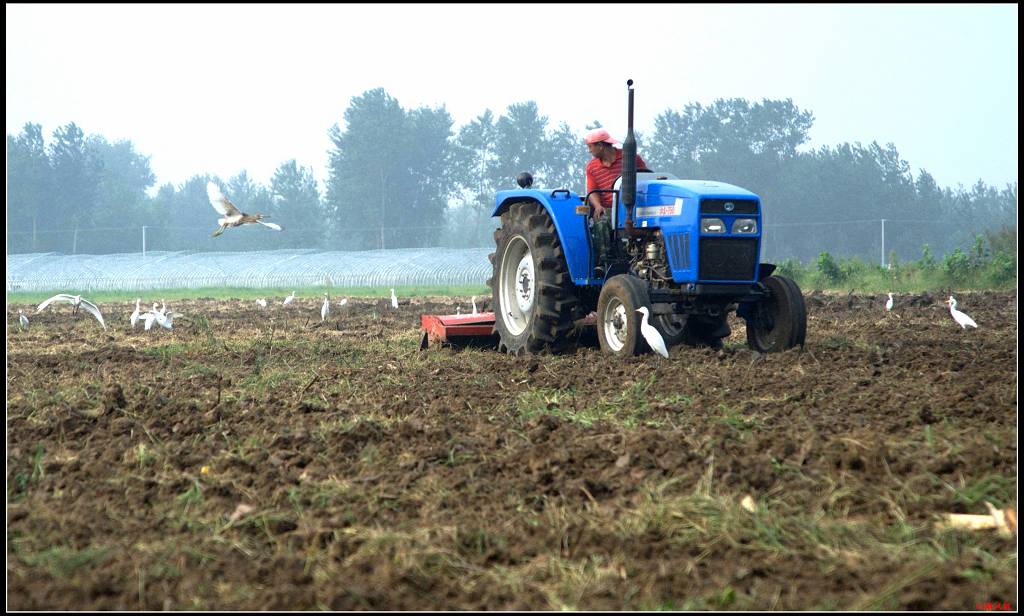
(618, 322)
(779, 321)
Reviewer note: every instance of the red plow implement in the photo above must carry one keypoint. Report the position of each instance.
(458, 329)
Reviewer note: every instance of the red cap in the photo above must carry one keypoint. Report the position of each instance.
(597, 135)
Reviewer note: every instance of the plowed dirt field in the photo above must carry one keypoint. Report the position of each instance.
(256, 459)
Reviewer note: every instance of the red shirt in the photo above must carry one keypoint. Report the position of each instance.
(600, 176)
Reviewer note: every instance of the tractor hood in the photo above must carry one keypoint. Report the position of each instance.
(664, 191)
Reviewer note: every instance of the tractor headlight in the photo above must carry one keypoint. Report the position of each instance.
(712, 225)
(744, 225)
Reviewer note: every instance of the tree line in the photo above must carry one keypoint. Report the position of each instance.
(409, 178)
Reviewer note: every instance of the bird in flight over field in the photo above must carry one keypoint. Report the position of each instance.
(232, 216)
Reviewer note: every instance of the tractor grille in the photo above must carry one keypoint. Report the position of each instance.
(718, 206)
(678, 245)
(724, 258)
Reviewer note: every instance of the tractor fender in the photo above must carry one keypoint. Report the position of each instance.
(572, 229)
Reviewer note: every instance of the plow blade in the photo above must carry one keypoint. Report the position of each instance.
(458, 329)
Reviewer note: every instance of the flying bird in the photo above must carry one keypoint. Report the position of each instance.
(76, 301)
(962, 319)
(23, 319)
(651, 335)
(262, 303)
(325, 309)
(232, 216)
(289, 299)
(888, 304)
(135, 315)
(394, 299)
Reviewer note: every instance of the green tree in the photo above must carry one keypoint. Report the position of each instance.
(297, 201)
(387, 170)
(522, 145)
(568, 160)
(29, 188)
(124, 177)
(76, 173)
(362, 170)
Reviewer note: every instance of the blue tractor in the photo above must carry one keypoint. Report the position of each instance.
(688, 250)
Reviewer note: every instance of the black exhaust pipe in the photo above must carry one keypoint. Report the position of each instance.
(629, 164)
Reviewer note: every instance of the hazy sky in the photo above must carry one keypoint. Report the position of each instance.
(221, 88)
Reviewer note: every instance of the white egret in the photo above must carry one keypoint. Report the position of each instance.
(289, 299)
(262, 303)
(23, 319)
(962, 319)
(651, 335)
(394, 299)
(232, 216)
(888, 304)
(148, 317)
(325, 309)
(135, 315)
(76, 301)
(458, 310)
(343, 301)
(473, 299)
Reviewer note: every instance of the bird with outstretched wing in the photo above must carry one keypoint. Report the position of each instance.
(231, 215)
(76, 301)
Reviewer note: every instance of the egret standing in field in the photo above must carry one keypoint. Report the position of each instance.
(343, 301)
(135, 315)
(888, 304)
(76, 301)
(473, 299)
(23, 319)
(651, 335)
(289, 299)
(232, 216)
(325, 309)
(394, 300)
(262, 303)
(962, 319)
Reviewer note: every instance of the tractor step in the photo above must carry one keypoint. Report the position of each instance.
(458, 329)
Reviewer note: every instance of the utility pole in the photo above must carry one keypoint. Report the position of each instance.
(883, 243)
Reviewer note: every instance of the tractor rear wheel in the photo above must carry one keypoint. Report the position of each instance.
(618, 322)
(778, 322)
(531, 291)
